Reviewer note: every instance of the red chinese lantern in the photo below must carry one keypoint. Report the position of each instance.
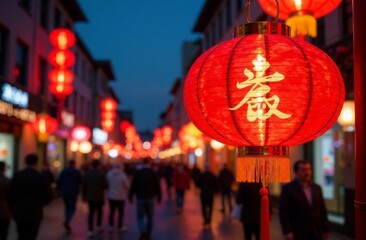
(300, 15)
(108, 104)
(262, 92)
(62, 38)
(61, 76)
(124, 125)
(167, 134)
(43, 126)
(61, 58)
(61, 90)
(80, 133)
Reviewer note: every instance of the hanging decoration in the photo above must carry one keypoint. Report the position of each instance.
(300, 15)
(108, 113)
(43, 126)
(61, 58)
(263, 91)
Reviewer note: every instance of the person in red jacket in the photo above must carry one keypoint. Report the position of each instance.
(180, 180)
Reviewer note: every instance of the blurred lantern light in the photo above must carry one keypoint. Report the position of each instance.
(62, 38)
(80, 133)
(129, 146)
(347, 117)
(43, 126)
(198, 152)
(108, 104)
(124, 125)
(146, 145)
(61, 58)
(216, 145)
(300, 15)
(85, 147)
(74, 146)
(63, 76)
(113, 153)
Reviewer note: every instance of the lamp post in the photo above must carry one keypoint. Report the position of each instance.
(359, 53)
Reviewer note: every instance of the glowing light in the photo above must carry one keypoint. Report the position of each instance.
(198, 152)
(85, 147)
(146, 145)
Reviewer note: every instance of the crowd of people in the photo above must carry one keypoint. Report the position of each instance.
(301, 207)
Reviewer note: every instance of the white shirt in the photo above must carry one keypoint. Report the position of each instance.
(118, 184)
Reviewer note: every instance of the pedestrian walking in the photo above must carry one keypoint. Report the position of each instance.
(208, 183)
(302, 210)
(145, 185)
(195, 174)
(5, 214)
(226, 179)
(118, 185)
(250, 200)
(180, 180)
(94, 184)
(29, 192)
(167, 173)
(68, 185)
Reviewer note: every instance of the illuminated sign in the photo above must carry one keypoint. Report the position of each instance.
(23, 114)
(68, 119)
(99, 136)
(14, 96)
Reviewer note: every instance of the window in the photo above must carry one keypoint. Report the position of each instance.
(239, 6)
(44, 13)
(220, 25)
(228, 14)
(57, 18)
(3, 51)
(347, 17)
(43, 73)
(21, 66)
(27, 4)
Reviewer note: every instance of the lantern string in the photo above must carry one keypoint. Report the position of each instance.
(246, 11)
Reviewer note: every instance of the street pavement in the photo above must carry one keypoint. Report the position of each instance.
(168, 225)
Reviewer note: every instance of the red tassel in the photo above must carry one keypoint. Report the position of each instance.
(264, 214)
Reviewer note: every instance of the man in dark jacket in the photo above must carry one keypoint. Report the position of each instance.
(29, 191)
(226, 179)
(68, 185)
(303, 214)
(145, 185)
(5, 214)
(94, 185)
(208, 184)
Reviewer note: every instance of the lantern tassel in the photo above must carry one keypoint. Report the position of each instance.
(263, 168)
(302, 25)
(264, 214)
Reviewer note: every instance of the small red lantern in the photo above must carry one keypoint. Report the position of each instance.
(108, 115)
(124, 125)
(43, 126)
(167, 134)
(80, 133)
(108, 104)
(61, 90)
(61, 58)
(300, 15)
(61, 76)
(62, 38)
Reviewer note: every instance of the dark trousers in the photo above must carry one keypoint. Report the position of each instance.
(95, 206)
(226, 193)
(207, 203)
(28, 229)
(70, 207)
(120, 206)
(179, 198)
(145, 207)
(250, 229)
(4, 227)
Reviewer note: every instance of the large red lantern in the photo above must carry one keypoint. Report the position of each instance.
(300, 15)
(262, 92)
(43, 126)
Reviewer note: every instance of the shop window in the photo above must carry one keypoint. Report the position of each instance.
(4, 35)
(7, 142)
(20, 71)
(228, 14)
(44, 13)
(328, 170)
(57, 18)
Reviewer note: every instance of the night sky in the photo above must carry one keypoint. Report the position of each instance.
(143, 39)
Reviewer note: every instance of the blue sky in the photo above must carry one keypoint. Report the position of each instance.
(143, 39)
